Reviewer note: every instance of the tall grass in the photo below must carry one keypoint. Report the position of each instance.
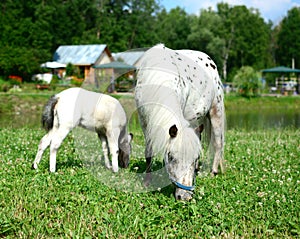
(257, 197)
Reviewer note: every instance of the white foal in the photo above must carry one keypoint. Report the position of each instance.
(96, 112)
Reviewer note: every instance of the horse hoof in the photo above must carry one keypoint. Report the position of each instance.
(34, 166)
(213, 173)
(108, 166)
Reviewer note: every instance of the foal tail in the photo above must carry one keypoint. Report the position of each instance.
(48, 113)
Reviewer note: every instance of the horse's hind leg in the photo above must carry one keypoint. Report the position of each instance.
(57, 138)
(217, 119)
(44, 143)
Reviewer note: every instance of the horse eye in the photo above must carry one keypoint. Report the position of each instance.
(170, 157)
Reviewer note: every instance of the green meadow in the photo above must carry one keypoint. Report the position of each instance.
(257, 196)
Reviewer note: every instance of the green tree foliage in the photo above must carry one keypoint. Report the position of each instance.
(248, 82)
(32, 30)
(206, 35)
(288, 42)
(234, 36)
(174, 28)
(19, 55)
(127, 24)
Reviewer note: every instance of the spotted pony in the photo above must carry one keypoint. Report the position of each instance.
(178, 95)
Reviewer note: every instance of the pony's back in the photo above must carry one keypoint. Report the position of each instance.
(94, 111)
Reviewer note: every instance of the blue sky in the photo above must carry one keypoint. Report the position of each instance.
(273, 10)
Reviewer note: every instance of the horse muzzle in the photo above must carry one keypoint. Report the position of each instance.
(182, 194)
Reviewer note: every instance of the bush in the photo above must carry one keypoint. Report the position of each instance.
(247, 81)
(72, 70)
(54, 82)
(4, 85)
(76, 81)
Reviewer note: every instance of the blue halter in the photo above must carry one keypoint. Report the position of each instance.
(184, 187)
(187, 188)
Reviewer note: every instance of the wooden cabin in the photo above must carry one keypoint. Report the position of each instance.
(84, 57)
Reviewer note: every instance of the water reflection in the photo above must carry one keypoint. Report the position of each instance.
(237, 119)
(31, 120)
(263, 119)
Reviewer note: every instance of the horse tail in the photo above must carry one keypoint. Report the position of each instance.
(48, 113)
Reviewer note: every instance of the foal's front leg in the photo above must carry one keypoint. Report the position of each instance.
(105, 150)
(113, 139)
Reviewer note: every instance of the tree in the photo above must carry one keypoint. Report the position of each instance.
(233, 37)
(205, 35)
(19, 55)
(173, 28)
(128, 24)
(288, 42)
(247, 38)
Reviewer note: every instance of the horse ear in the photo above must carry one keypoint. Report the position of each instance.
(173, 131)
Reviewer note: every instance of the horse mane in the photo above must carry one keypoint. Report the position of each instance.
(164, 110)
(188, 143)
(158, 125)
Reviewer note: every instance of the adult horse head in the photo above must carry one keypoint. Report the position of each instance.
(181, 158)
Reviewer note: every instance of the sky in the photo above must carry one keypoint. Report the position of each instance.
(273, 10)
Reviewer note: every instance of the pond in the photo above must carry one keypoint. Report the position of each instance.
(262, 119)
(236, 119)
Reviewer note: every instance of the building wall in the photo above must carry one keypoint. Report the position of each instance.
(90, 74)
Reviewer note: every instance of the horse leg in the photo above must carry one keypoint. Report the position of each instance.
(198, 131)
(44, 143)
(112, 139)
(57, 138)
(217, 118)
(148, 156)
(105, 150)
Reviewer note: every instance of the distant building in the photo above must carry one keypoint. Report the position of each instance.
(130, 57)
(84, 57)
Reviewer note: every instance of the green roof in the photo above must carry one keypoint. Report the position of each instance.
(281, 69)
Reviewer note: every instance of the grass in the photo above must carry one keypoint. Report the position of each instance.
(29, 97)
(257, 197)
(257, 103)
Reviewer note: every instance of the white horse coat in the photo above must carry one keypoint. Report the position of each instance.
(96, 112)
(179, 93)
